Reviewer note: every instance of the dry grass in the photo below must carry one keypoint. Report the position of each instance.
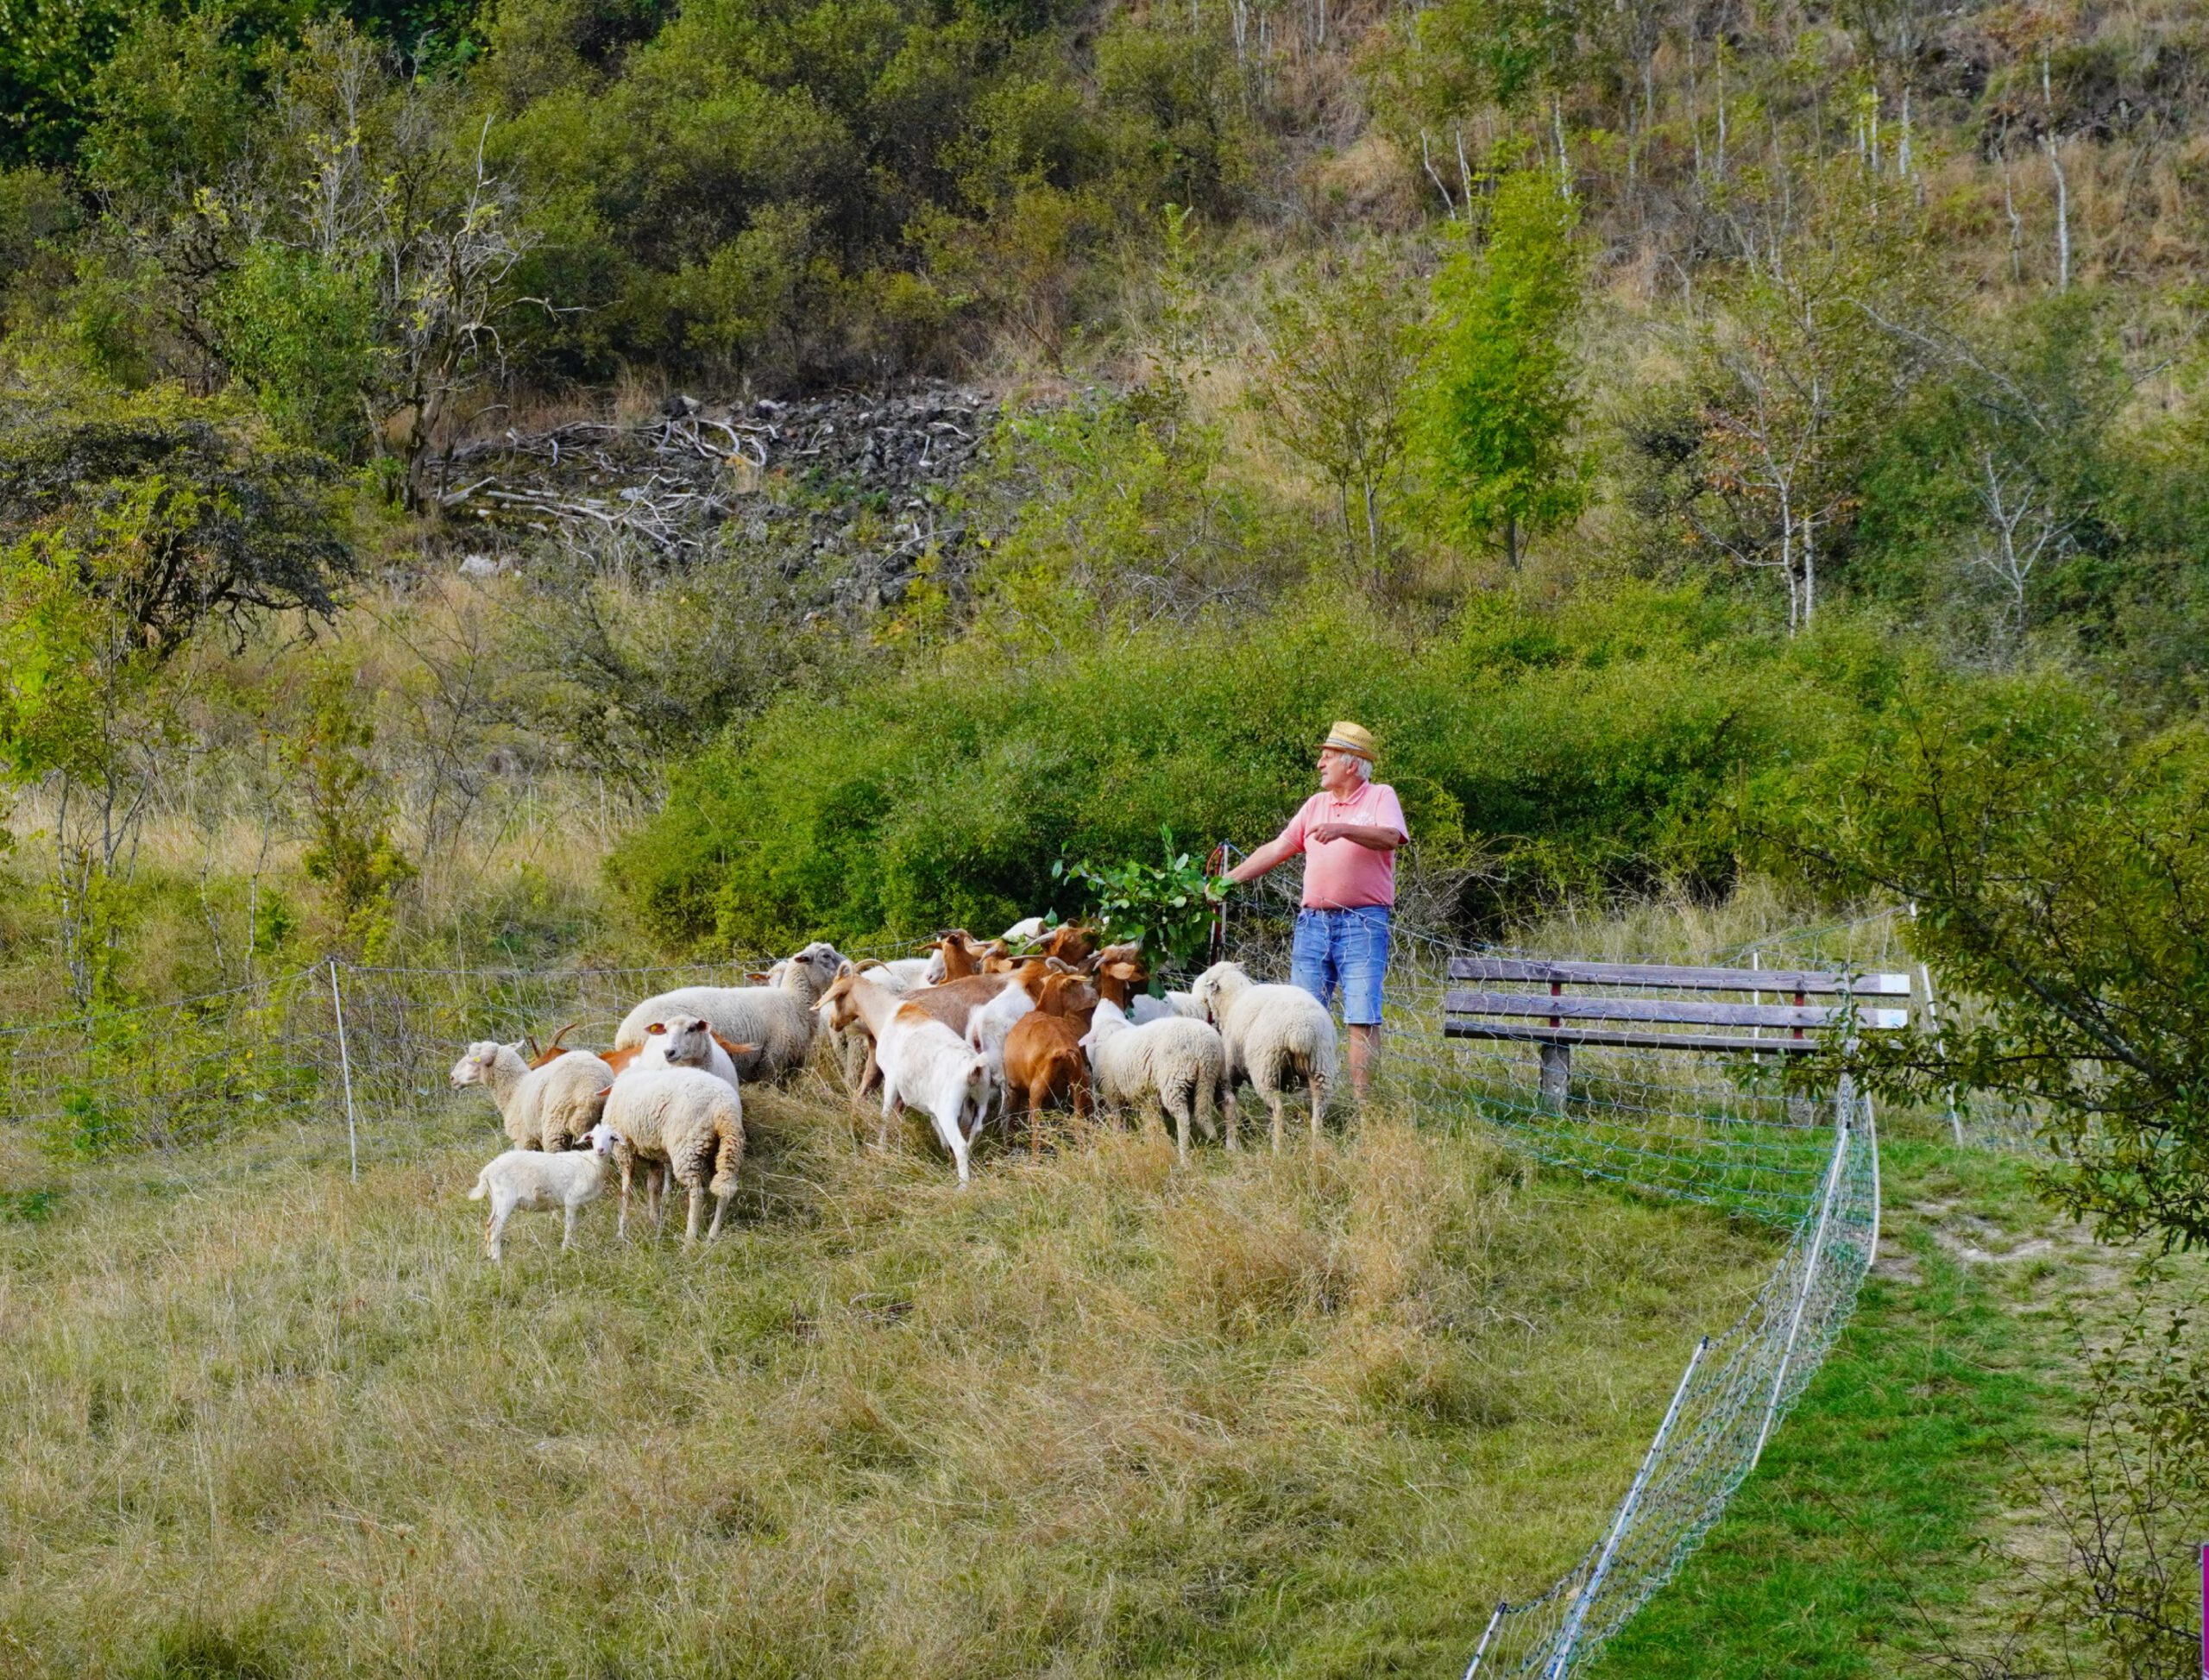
(1090, 1417)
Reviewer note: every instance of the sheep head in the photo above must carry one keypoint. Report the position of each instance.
(1217, 988)
(481, 1061)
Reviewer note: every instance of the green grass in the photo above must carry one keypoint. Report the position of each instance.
(1089, 1416)
(1853, 1549)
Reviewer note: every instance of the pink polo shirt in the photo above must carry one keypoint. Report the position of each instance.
(1340, 874)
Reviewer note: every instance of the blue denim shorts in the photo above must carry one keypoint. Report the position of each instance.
(1345, 947)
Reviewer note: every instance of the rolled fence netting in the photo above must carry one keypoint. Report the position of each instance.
(1732, 1132)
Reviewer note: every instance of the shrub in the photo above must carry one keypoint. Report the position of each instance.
(1588, 746)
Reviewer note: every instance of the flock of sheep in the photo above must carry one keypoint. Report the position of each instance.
(1040, 1017)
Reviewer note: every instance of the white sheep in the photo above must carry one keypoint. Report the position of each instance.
(1275, 1035)
(551, 1108)
(532, 1178)
(776, 1020)
(687, 1118)
(1176, 1065)
(684, 1041)
(1142, 1008)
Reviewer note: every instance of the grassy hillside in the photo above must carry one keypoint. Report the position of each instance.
(1090, 1417)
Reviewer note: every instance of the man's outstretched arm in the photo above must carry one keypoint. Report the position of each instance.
(1273, 854)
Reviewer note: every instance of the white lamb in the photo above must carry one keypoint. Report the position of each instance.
(689, 1120)
(551, 1108)
(1142, 1008)
(532, 1178)
(683, 1041)
(1275, 1036)
(776, 1020)
(1174, 1065)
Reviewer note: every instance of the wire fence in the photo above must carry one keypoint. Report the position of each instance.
(370, 1048)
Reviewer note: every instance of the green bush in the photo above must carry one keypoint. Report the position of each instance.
(1584, 747)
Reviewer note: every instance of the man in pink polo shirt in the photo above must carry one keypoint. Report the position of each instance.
(1347, 832)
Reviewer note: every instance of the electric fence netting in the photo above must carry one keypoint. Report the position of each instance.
(369, 1049)
(1730, 1131)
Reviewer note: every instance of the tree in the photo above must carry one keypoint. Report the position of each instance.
(1341, 350)
(2060, 873)
(1495, 420)
(121, 537)
(1795, 387)
(222, 522)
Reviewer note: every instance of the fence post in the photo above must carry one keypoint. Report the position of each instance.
(1488, 1633)
(1561, 1664)
(1933, 1020)
(345, 1071)
(1809, 1269)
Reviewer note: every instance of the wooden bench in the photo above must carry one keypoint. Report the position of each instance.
(1556, 1017)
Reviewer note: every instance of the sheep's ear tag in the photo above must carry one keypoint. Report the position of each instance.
(656, 1028)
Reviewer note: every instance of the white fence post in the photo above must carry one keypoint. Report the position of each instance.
(1487, 1634)
(345, 1071)
(1562, 1662)
(1809, 1271)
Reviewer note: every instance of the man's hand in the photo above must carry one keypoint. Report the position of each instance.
(1369, 835)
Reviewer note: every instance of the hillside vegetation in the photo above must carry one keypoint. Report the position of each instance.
(470, 495)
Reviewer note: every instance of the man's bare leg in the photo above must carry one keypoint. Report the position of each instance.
(1363, 1042)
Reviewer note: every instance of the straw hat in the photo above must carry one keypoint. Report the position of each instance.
(1351, 738)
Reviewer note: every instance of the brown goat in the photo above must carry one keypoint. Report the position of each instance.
(1120, 979)
(1043, 1062)
(963, 954)
(1070, 940)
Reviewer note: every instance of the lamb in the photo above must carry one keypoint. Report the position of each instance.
(687, 1118)
(1274, 1035)
(1176, 1064)
(532, 1178)
(925, 1064)
(548, 1108)
(776, 1020)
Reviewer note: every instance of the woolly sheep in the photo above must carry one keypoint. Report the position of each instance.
(776, 1021)
(1145, 1008)
(1175, 1064)
(684, 1041)
(531, 1178)
(1274, 1035)
(551, 1108)
(687, 1118)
